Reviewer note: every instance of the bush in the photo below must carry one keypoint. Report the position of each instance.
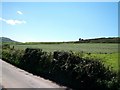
(12, 56)
(65, 68)
(81, 73)
(35, 61)
(6, 46)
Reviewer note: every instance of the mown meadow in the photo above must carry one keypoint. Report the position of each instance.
(85, 47)
(78, 66)
(107, 52)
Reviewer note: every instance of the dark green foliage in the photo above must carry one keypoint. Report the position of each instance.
(6, 46)
(12, 56)
(81, 73)
(65, 68)
(100, 40)
(35, 60)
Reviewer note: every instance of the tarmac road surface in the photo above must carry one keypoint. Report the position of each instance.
(13, 77)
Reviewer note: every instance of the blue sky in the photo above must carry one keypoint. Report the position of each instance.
(60, 21)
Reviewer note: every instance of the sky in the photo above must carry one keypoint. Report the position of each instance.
(58, 21)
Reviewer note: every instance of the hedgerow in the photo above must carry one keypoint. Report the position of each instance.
(65, 68)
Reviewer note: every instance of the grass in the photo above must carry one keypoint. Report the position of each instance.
(85, 47)
(110, 59)
(107, 52)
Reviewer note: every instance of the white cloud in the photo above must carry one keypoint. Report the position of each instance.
(2, 19)
(13, 22)
(19, 12)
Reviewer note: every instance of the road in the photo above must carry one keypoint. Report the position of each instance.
(13, 77)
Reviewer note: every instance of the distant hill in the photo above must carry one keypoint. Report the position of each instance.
(95, 40)
(100, 40)
(5, 39)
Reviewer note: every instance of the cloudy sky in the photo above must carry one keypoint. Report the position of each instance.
(38, 21)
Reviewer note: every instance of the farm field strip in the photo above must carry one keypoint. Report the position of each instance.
(109, 60)
(85, 47)
(107, 52)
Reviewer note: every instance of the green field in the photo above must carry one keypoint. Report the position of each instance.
(85, 47)
(108, 53)
(110, 60)
(94, 61)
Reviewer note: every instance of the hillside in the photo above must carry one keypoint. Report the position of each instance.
(100, 40)
(95, 40)
(5, 39)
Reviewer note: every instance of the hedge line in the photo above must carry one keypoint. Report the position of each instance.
(65, 68)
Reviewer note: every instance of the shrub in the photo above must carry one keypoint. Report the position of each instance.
(81, 73)
(12, 56)
(35, 61)
(5, 46)
(65, 68)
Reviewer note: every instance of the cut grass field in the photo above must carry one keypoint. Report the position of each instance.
(110, 59)
(107, 52)
(85, 47)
